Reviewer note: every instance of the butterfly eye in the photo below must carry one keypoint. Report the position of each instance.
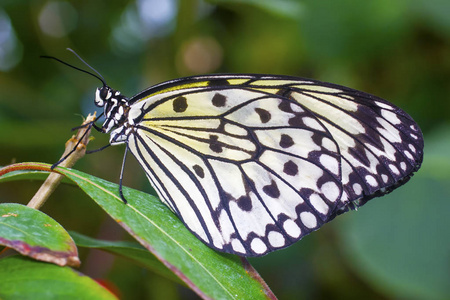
(105, 93)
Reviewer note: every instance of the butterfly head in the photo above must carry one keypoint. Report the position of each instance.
(115, 105)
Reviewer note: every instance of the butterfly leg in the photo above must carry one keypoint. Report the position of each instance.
(121, 176)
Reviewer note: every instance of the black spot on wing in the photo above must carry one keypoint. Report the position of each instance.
(264, 115)
(180, 104)
(219, 100)
(244, 203)
(199, 171)
(286, 141)
(214, 143)
(272, 190)
(290, 168)
(218, 82)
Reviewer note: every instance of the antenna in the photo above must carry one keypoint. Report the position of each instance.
(96, 75)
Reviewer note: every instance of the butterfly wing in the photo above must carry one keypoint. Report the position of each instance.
(253, 163)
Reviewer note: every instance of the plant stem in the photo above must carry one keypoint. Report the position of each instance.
(75, 149)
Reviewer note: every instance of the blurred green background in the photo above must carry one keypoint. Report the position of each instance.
(394, 247)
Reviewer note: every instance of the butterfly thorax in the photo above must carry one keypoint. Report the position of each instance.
(116, 108)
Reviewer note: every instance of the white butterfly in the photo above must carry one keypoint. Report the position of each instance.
(252, 163)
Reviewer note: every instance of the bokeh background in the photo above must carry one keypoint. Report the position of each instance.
(395, 247)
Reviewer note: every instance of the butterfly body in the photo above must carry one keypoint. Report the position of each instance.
(252, 163)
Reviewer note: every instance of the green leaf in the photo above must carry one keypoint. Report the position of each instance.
(33, 233)
(132, 251)
(22, 278)
(207, 272)
(28, 175)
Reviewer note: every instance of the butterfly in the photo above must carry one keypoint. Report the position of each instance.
(253, 163)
